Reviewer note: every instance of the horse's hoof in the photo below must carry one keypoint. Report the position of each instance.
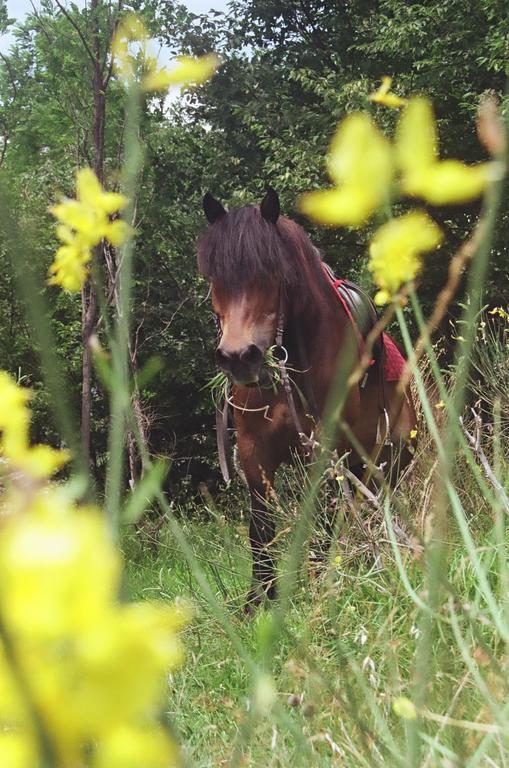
(252, 602)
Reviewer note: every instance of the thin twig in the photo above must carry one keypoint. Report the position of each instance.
(475, 444)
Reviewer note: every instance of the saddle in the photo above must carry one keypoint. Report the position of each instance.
(360, 309)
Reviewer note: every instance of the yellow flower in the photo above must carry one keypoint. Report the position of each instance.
(186, 72)
(423, 174)
(63, 565)
(131, 29)
(38, 461)
(69, 269)
(91, 194)
(498, 311)
(383, 95)
(14, 415)
(413, 434)
(395, 251)
(41, 461)
(16, 750)
(128, 747)
(440, 405)
(95, 669)
(84, 222)
(360, 164)
(404, 708)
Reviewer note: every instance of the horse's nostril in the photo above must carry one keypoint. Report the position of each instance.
(252, 355)
(223, 359)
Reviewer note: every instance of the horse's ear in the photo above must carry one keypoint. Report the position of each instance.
(269, 207)
(213, 208)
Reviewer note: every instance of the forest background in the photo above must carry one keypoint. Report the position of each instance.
(290, 72)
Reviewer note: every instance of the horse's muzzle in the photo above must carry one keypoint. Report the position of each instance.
(243, 367)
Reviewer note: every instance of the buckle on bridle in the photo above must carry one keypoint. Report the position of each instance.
(279, 349)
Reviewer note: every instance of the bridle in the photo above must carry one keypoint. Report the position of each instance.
(308, 443)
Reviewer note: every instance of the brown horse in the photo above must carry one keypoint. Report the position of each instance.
(269, 286)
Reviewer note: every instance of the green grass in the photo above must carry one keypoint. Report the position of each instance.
(352, 642)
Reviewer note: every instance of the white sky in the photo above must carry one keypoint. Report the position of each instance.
(18, 9)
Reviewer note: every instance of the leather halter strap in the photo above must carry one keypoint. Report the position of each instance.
(307, 443)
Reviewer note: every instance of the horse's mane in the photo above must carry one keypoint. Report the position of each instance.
(241, 251)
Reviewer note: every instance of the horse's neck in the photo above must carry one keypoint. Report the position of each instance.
(316, 338)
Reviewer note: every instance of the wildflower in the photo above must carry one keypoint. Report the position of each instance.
(498, 311)
(404, 708)
(131, 29)
(440, 405)
(396, 249)
(95, 669)
(14, 415)
(264, 693)
(413, 434)
(128, 747)
(423, 174)
(188, 70)
(360, 164)
(84, 222)
(39, 461)
(385, 97)
(338, 560)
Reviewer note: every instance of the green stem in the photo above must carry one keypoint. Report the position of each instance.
(121, 393)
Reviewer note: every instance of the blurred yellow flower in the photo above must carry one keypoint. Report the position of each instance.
(63, 565)
(130, 30)
(84, 222)
(385, 97)
(404, 708)
(187, 70)
(95, 669)
(423, 174)
(39, 461)
(129, 747)
(360, 164)
(14, 415)
(440, 405)
(413, 434)
(395, 251)
(69, 268)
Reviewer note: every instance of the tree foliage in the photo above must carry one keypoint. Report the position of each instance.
(291, 71)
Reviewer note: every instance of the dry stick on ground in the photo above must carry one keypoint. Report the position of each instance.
(475, 443)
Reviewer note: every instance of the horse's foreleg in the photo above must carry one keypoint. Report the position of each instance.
(261, 535)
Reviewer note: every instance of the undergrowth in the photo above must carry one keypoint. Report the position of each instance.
(355, 640)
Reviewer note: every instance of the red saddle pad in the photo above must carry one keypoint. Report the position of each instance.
(394, 360)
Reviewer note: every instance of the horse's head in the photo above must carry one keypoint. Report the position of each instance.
(239, 254)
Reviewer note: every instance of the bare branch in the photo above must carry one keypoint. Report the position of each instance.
(11, 74)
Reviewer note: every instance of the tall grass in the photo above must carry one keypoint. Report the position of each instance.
(389, 647)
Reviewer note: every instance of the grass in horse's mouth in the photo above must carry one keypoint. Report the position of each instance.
(219, 383)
